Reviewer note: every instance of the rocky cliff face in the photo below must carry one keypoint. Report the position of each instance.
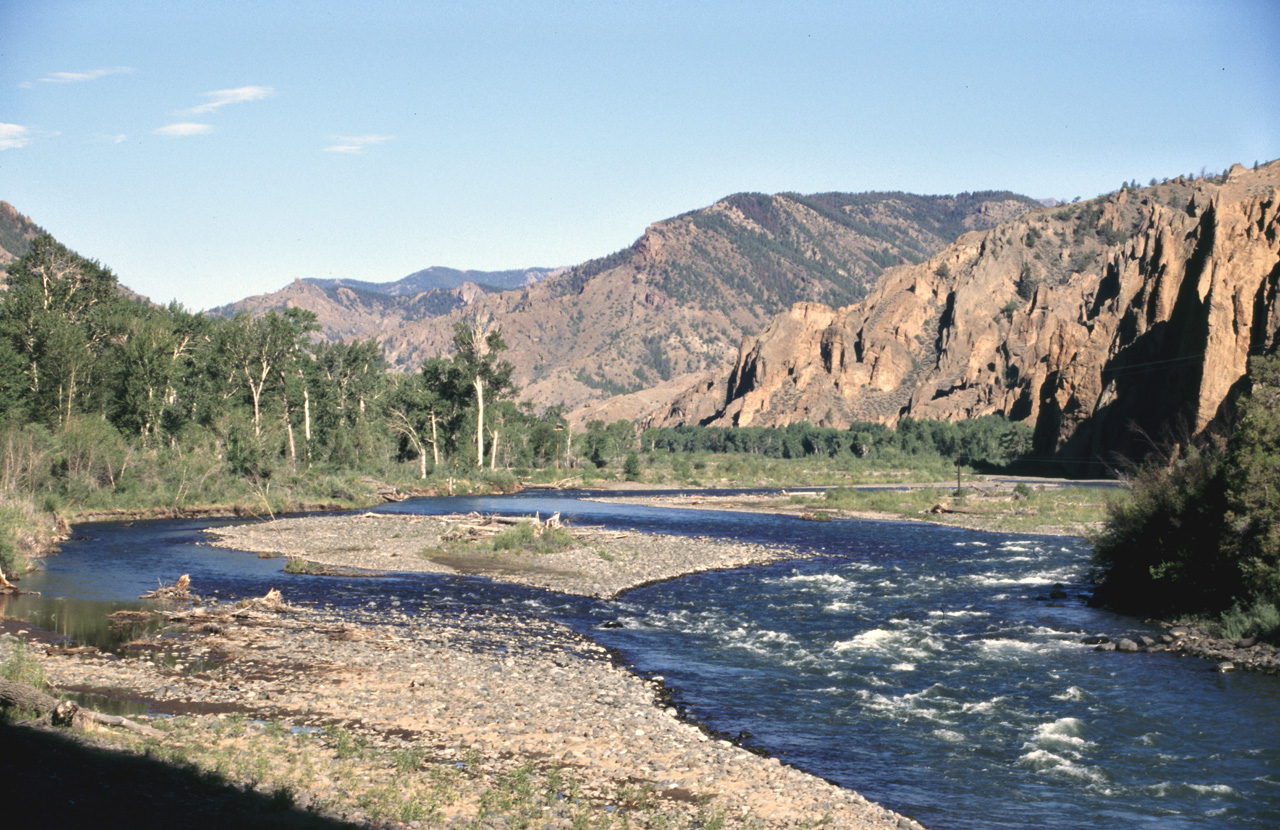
(1113, 326)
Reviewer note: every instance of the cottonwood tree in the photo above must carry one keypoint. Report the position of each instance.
(148, 358)
(477, 360)
(57, 316)
(415, 411)
(289, 333)
(348, 381)
(264, 350)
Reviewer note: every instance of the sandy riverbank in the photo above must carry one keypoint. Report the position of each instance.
(471, 720)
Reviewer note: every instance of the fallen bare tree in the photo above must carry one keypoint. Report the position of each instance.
(64, 712)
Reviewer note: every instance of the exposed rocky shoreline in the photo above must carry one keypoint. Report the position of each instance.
(336, 703)
(1226, 654)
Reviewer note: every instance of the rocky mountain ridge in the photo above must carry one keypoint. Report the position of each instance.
(1114, 326)
(442, 278)
(675, 303)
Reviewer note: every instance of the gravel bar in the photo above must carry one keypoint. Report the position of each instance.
(600, 565)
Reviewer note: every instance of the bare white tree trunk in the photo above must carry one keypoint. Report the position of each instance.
(435, 446)
(479, 384)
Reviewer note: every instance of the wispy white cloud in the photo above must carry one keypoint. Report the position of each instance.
(90, 75)
(13, 136)
(183, 128)
(221, 97)
(355, 143)
(116, 138)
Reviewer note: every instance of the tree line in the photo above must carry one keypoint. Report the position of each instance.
(262, 394)
(990, 440)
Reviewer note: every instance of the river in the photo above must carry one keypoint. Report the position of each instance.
(918, 664)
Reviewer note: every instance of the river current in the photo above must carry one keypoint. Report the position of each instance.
(920, 665)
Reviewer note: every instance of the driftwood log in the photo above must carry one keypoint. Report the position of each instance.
(65, 712)
(179, 591)
(7, 587)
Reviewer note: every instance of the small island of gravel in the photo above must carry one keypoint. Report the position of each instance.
(596, 564)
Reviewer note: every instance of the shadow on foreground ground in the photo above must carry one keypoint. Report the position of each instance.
(70, 783)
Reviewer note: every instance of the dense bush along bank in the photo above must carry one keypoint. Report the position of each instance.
(1201, 535)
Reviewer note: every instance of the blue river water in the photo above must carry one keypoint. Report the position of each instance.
(919, 665)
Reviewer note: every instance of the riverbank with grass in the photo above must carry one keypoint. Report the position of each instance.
(1039, 506)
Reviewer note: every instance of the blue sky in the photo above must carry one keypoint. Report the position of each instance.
(208, 151)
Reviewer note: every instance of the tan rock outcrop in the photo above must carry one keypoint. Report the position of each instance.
(1113, 326)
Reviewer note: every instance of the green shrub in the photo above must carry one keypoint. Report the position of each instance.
(1258, 619)
(21, 667)
(1200, 537)
(631, 467)
(1157, 550)
(527, 538)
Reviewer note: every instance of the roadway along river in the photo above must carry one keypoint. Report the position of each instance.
(911, 662)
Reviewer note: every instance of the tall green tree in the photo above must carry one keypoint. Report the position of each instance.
(289, 332)
(56, 317)
(263, 353)
(477, 360)
(1252, 473)
(415, 411)
(348, 381)
(148, 362)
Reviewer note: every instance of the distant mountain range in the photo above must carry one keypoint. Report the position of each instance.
(438, 277)
(1111, 325)
(677, 301)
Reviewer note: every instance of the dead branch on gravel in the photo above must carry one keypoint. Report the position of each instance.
(270, 601)
(179, 591)
(473, 526)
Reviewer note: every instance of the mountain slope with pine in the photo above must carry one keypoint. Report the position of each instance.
(16, 234)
